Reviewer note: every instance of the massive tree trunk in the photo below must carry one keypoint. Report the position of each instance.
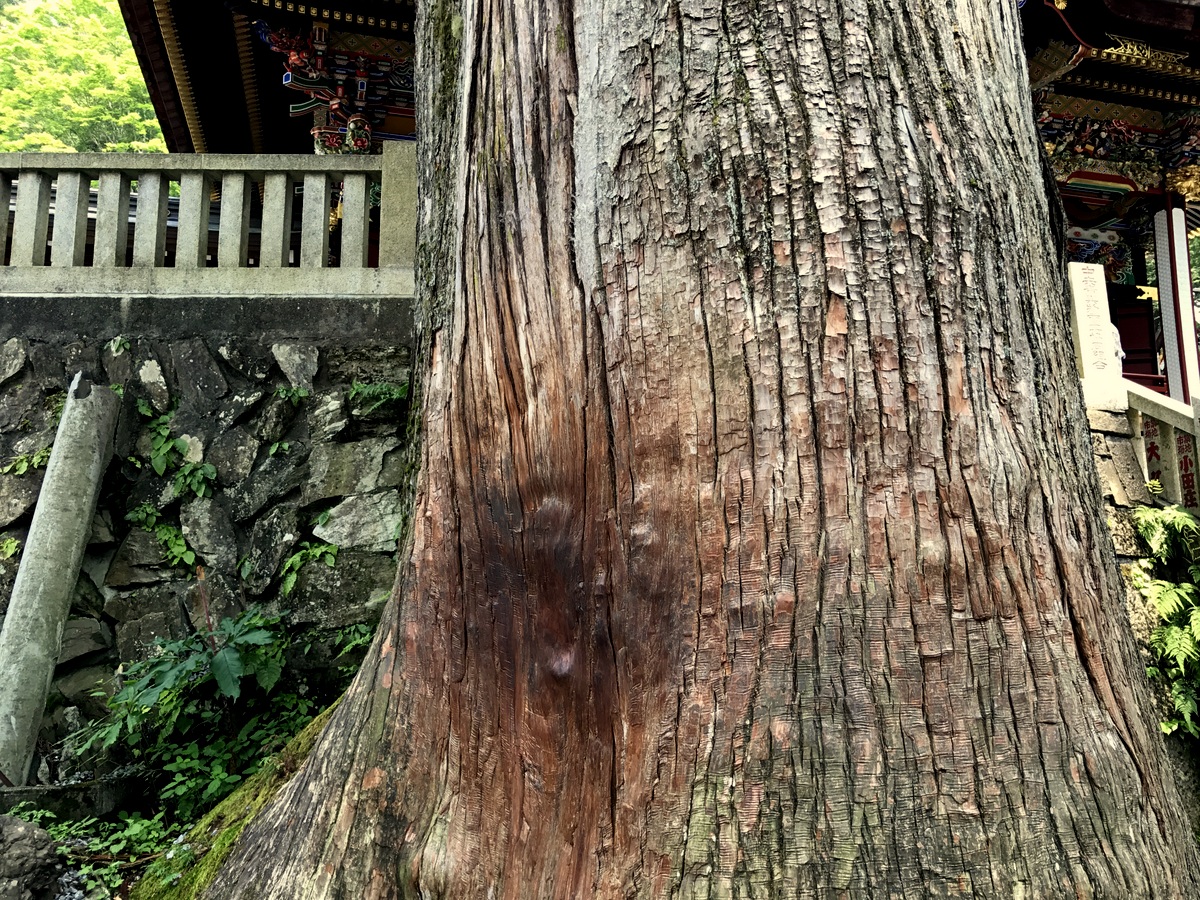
(756, 548)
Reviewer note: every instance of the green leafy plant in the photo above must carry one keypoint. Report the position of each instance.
(350, 638)
(27, 462)
(118, 389)
(322, 517)
(1169, 579)
(9, 547)
(174, 545)
(284, 447)
(346, 641)
(144, 514)
(166, 452)
(118, 345)
(56, 403)
(196, 478)
(34, 815)
(104, 852)
(204, 711)
(294, 395)
(308, 552)
(69, 80)
(373, 396)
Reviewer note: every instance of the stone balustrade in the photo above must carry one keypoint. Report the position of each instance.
(208, 224)
(1164, 432)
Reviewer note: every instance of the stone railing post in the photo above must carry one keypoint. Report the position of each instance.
(31, 220)
(398, 207)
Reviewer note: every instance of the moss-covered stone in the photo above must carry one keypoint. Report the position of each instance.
(186, 875)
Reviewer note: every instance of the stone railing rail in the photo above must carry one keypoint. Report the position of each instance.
(1165, 433)
(230, 232)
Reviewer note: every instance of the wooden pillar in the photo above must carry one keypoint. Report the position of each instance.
(1175, 300)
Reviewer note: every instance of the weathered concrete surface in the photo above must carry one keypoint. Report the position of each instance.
(99, 797)
(397, 233)
(379, 319)
(159, 284)
(41, 598)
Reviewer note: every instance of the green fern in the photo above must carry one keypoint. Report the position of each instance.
(373, 396)
(1168, 531)
(1171, 598)
(1175, 644)
(1169, 579)
(1183, 698)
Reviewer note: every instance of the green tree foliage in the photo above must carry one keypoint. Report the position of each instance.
(69, 80)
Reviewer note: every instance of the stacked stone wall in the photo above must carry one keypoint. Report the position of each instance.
(304, 427)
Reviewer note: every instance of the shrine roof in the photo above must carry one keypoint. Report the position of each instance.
(1116, 91)
(216, 81)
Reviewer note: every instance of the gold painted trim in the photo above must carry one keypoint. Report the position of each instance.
(1140, 61)
(245, 47)
(1118, 87)
(183, 83)
(1142, 50)
(336, 15)
(1185, 181)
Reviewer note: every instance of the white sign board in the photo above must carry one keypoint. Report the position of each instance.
(1096, 350)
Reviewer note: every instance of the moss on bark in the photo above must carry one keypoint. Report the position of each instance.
(186, 875)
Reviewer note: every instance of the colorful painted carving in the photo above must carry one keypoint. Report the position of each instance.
(1095, 136)
(1113, 255)
(354, 139)
(1104, 139)
(359, 87)
(1107, 176)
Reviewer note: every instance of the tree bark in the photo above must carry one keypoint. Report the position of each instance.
(756, 547)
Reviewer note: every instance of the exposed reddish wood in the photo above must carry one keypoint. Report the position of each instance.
(756, 547)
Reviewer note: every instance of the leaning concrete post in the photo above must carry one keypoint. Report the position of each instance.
(41, 597)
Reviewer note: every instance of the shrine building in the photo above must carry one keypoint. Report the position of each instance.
(1115, 86)
(275, 76)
